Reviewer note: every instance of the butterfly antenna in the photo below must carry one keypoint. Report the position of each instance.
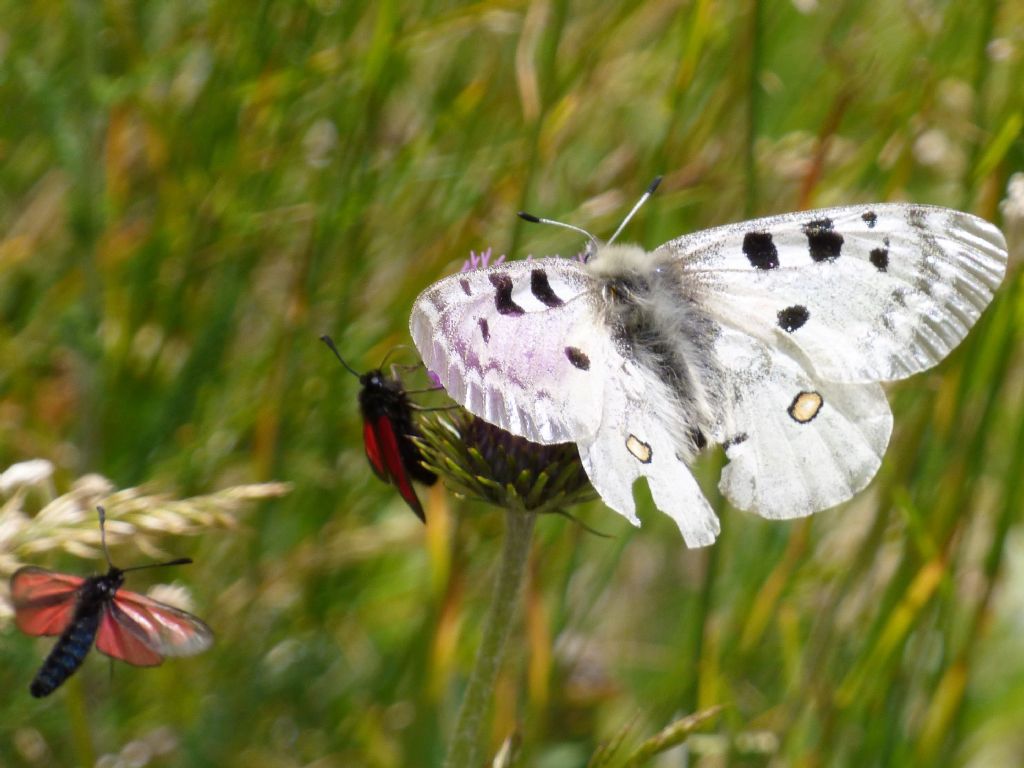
(330, 344)
(537, 220)
(643, 199)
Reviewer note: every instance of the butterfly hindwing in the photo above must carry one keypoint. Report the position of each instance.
(800, 444)
(635, 441)
(866, 292)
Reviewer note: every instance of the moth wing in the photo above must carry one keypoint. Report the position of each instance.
(44, 601)
(520, 345)
(118, 638)
(634, 440)
(802, 444)
(373, 450)
(389, 451)
(865, 292)
(140, 630)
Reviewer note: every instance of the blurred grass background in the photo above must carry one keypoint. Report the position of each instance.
(192, 192)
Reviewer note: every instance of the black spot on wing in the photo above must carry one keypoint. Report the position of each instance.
(880, 257)
(484, 329)
(760, 250)
(578, 358)
(793, 317)
(735, 440)
(503, 295)
(870, 218)
(465, 286)
(541, 289)
(823, 241)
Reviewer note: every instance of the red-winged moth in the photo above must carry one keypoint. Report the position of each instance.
(125, 625)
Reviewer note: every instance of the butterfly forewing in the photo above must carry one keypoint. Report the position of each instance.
(44, 601)
(866, 293)
(515, 344)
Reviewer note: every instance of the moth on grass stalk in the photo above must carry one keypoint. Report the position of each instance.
(768, 337)
(125, 625)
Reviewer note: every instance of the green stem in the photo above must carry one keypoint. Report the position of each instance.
(476, 702)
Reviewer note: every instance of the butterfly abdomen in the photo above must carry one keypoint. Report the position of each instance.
(69, 652)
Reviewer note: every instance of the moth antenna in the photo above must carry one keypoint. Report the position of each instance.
(423, 391)
(330, 344)
(592, 248)
(103, 541)
(176, 561)
(643, 199)
(390, 353)
(103, 533)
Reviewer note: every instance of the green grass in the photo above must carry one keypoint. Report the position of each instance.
(191, 193)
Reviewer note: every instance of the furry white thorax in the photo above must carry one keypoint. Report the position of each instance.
(617, 260)
(654, 311)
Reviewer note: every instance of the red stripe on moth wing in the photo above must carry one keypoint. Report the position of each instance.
(120, 638)
(393, 457)
(372, 446)
(44, 601)
(168, 630)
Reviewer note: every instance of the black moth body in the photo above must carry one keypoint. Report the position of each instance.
(388, 431)
(382, 397)
(68, 654)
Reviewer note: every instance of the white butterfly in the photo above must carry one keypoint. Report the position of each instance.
(768, 337)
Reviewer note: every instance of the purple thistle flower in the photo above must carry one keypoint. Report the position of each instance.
(480, 261)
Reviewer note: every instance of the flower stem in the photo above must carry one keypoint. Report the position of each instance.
(467, 739)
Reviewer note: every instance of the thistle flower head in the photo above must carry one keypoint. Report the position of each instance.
(479, 460)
